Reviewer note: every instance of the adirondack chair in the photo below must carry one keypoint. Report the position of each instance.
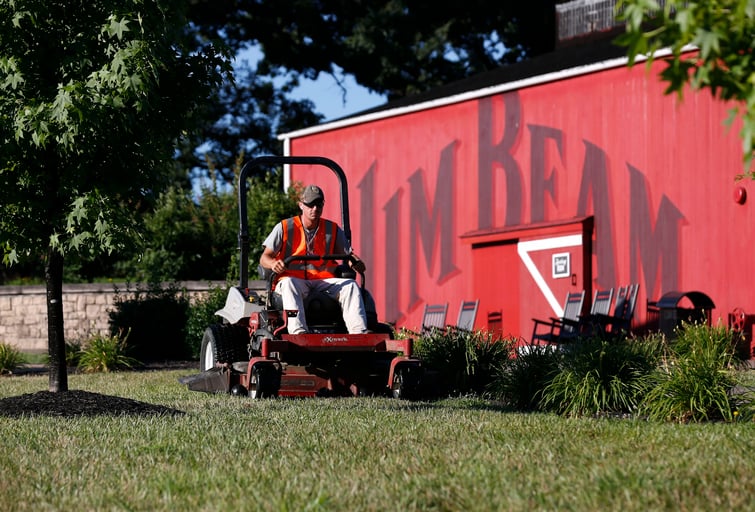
(601, 302)
(620, 321)
(434, 317)
(587, 325)
(556, 330)
(467, 314)
(601, 306)
(495, 322)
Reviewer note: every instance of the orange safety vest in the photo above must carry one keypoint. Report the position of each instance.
(295, 244)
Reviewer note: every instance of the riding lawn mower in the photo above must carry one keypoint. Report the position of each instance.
(250, 352)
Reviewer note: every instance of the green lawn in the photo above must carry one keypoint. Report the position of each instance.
(229, 453)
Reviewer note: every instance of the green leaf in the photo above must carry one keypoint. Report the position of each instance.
(18, 16)
(79, 210)
(117, 27)
(708, 42)
(101, 227)
(685, 20)
(79, 239)
(10, 256)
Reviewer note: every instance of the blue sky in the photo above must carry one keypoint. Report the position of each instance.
(325, 92)
(327, 95)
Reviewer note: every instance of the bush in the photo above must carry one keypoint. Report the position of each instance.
(489, 352)
(466, 361)
(194, 236)
(156, 320)
(695, 379)
(202, 315)
(73, 353)
(104, 354)
(519, 381)
(10, 358)
(601, 377)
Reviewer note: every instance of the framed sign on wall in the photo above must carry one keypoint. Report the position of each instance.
(561, 263)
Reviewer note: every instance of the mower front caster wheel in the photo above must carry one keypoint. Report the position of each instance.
(406, 381)
(264, 382)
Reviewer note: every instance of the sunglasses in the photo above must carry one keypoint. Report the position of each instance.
(318, 204)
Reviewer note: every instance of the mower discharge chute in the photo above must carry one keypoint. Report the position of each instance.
(251, 352)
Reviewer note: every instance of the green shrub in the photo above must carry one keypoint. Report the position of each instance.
(694, 382)
(102, 353)
(193, 234)
(10, 358)
(489, 352)
(465, 361)
(73, 353)
(601, 377)
(156, 319)
(519, 381)
(201, 315)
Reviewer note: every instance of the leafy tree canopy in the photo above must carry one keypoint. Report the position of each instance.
(393, 47)
(197, 238)
(723, 32)
(93, 96)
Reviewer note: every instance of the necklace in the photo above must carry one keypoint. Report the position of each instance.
(309, 235)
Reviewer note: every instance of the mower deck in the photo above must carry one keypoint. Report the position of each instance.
(310, 365)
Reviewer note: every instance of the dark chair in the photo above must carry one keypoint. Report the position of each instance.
(601, 306)
(495, 323)
(741, 332)
(620, 321)
(601, 302)
(434, 317)
(556, 330)
(467, 314)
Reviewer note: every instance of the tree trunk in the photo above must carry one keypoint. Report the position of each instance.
(55, 338)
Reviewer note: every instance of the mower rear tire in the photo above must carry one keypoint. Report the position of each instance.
(223, 343)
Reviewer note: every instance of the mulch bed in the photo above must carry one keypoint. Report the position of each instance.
(77, 403)
(84, 403)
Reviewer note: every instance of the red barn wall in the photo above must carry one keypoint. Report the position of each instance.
(445, 201)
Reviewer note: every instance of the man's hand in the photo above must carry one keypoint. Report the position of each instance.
(357, 264)
(278, 266)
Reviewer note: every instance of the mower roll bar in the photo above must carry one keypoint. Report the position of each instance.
(263, 161)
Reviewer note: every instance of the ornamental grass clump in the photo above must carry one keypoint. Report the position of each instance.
(488, 352)
(10, 358)
(101, 353)
(464, 361)
(599, 376)
(520, 380)
(695, 379)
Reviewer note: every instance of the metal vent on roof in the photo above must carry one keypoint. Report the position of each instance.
(585, 17)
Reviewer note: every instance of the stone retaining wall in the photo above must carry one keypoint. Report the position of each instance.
(86, 307)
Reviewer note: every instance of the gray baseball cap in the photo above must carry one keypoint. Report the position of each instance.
(312, 194)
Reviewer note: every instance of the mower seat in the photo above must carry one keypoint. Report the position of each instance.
(322, 310)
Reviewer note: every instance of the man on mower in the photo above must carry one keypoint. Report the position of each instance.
(310, 234)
